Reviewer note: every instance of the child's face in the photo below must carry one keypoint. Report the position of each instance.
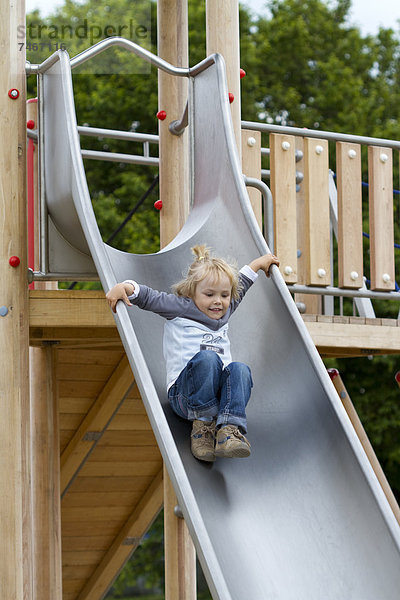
(213, 296)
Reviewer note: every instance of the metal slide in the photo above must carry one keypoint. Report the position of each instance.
(304, 517)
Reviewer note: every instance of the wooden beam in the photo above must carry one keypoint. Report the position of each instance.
(222, 35)
(15, 497)
(95, 422)
(172, 28)
(69, 308)
(47, 577)
(366, 444)
(126, 541)
(353, 336)
(180, 553)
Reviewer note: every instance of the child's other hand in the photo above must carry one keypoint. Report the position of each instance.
(119, 292)
(264, 263)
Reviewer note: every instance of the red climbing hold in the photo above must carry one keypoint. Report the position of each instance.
(242, 73)
(30, 124)
(13, 93)
(158, 204)
(14, 261)
(397, 376)
(161, 115)
(333, 373)
(231, 97)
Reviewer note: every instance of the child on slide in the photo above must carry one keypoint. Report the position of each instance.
(204, 385)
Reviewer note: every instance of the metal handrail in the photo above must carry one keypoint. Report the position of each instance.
(323, 135)
(115, 134)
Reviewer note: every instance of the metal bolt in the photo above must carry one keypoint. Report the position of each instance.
(288, 270)
(251, 141)
(285, 145)
(321, 273)
(354, 275)
(386, 277)
(352, 153)
(319, 149)
(383, 157)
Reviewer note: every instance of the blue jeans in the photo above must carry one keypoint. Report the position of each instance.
(207, 391)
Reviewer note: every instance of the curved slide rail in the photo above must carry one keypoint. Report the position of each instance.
(304, 517)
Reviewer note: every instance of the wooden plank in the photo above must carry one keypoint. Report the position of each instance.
(101, 499)
(380, 176)
(96, 420)
(90, 514)
(77, 572)
(76, 337)
(125, 438)
(134, 529)
(79, 372)
(75, 405)
(64, 308)
(337, 339)
(133, 422)
(115, 484)
(283, 188)
(350, 234)
(108, 527)
(93, 468)
(313, 303)
(316, 182)
(251, 167)
(96, 543)
(83, 357)
(126, 454)
(88, 557)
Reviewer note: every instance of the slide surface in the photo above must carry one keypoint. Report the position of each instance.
(304, 517)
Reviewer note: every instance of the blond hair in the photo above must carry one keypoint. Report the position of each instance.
(203, 266)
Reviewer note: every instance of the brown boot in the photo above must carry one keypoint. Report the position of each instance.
(231, 443)
(203, 440)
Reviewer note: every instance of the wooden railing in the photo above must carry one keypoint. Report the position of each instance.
(302, 212)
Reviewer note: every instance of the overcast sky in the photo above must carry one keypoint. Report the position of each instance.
(367, 14)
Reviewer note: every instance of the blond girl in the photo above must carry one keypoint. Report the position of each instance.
(204, 384)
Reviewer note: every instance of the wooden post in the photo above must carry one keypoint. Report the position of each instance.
(15, 498)
(350, 241)
(381, 241)
(366, 444)
(45, 446)
(283, 188)
(180, 557)
(316, 182)
(222, 36)
(47, 572)
(172, 22)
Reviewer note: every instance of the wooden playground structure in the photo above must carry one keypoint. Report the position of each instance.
(82, 478)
